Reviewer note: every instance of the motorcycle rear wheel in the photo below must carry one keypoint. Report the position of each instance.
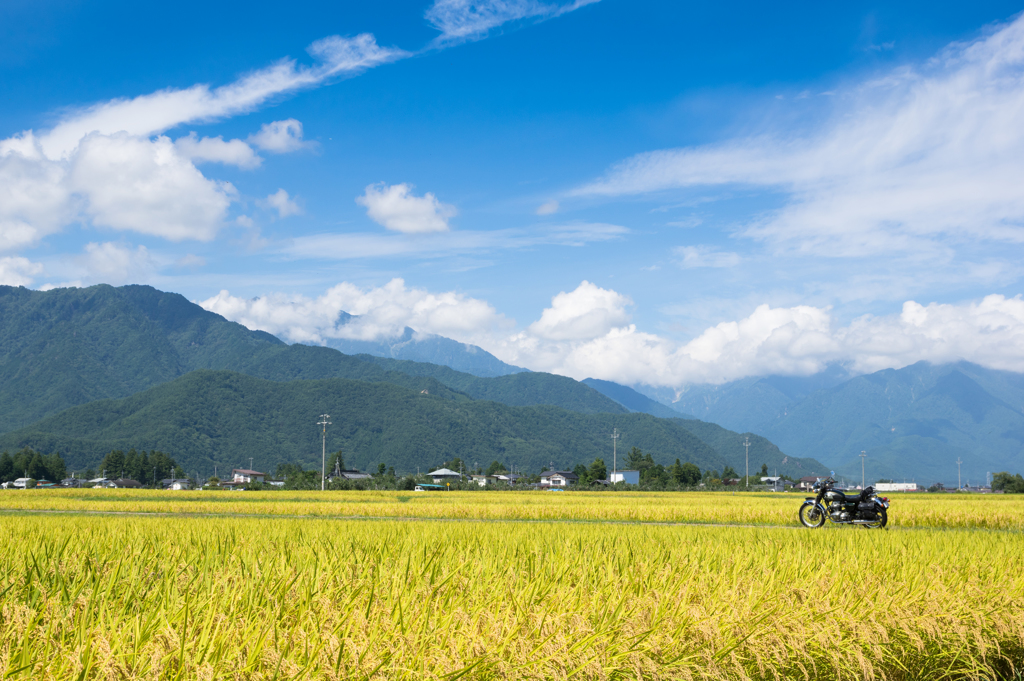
(883, 519)
(811, 516)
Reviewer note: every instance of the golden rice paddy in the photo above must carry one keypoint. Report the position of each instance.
(254, 586)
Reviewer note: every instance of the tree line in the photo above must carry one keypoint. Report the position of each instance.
(28, 463)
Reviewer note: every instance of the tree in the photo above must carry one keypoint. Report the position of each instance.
(764, 470)
(729, 474)
(1011, 484)
(37, 467)
(689, 474)
(598, 470)
(582, 473)
(382, 469)
(113, 464)
(635, 458)
(497, 467)
(55, 468)
(6, 468)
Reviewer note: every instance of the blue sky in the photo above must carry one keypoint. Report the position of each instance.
(646, 192)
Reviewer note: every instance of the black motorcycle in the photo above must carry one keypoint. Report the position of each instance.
(864, 508)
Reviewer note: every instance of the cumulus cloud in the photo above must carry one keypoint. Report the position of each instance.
(586, 312)
(397, 209)
(924, 153)
(280, 137)
(382, 312)
(116, 264)
(109, 162)
(283, 204)
(705, 256)
(587, 332)
(143, 185)
(460, 20)
(215, 149)
(17, 271)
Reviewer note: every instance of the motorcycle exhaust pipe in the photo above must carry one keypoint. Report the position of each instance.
(863, 522)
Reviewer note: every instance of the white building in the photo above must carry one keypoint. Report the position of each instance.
(443, 475)
(484, 480)
(628, 477)
(558, 478)
(244, 475)
(897, 487)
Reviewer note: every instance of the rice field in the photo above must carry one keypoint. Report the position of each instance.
(996, 512)
(280, 594)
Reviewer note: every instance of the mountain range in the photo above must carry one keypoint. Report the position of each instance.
(911, 423)
(84, 371)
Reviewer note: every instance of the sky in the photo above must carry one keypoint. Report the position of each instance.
(653, 193)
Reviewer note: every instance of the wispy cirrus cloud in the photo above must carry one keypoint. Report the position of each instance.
(357, 245)
(463, 20)
(926, 153)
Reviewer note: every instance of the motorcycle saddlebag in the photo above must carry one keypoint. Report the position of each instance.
(866, 509)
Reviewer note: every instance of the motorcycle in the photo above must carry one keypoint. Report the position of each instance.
(865, 508)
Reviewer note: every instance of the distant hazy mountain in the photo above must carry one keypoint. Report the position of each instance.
(634, 401)
(66, 347)
(433, 349)
(912, 423)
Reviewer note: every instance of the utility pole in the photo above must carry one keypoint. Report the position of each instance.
(863, 454)
(615, 441)
(746, 444)
(323, 453)
(958, 462)
(250, 463)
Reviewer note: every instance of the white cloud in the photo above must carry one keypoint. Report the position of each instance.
(460, 20)
(191, 261)
(548, 208)
(284, 204)
(133, 183)
(705, 256)
(103, 162)
(926, 153)
(397, 209)
(115, 264)
(373, 245)
(383, 312)
(586, 312)
(17, 271)
(280, 137)
(150, 114)
(233, 152)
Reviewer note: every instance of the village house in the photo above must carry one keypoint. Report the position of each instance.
(443, 475)
(558, 478)
(246, 476)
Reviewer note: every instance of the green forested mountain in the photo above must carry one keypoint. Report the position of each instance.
(67, 347)
(223, 418)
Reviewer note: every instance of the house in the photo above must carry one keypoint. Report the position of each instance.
(897, 487)
(558, 478)
(484, 480)
(100, 483)
(72, 482)
(176, 483)
(45, 484)
(246, 476)
(628, 477)
(806, 483)
(355, 475)
(443, 475)
(126, 483)
(509, 478)
(24, 483)
(775, 483)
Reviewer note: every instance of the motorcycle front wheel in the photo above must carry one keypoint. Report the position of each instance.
(883, 518)
(811, 516)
